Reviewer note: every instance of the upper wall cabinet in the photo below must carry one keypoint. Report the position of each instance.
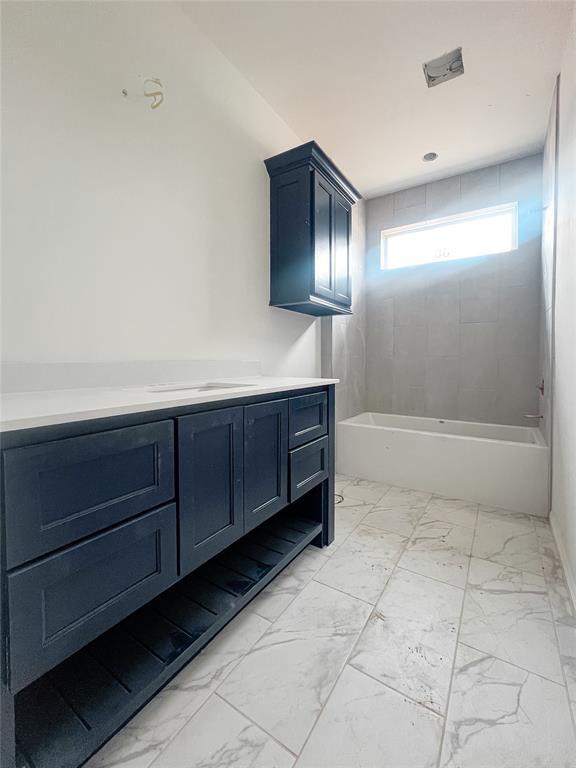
(310, 231)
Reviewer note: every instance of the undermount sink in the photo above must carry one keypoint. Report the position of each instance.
(207, 387)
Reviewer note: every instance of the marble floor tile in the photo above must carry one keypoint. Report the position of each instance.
(507, 614)
(566, 631)
(502, 716)
(346, 518)
(440, 550)
(142, 740)
(363, 564)
(398, 511)
(410, 639)
(341, 481)
(454, 511)
(220, 737)
(284, 681)
(558, 593)
(367, 725)
(278, 595)
(509, 541)
(365, 490)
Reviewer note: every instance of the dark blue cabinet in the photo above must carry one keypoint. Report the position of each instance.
(65, 600)
(310, 232)
(128, 542)
(265, 461)
(211, 484)
(308, 418)
(56, 493)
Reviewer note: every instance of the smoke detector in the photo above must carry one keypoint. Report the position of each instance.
(444, 68)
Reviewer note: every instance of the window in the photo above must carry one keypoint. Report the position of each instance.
(476, 233)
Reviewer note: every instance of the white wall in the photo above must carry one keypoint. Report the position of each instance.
(564, 454)
(132, 234)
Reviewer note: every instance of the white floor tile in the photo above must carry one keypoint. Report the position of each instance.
(440, 550)
(509, 541)
(501, 716)
(450, 510)
(398, 511)
(363, 564)
(284, 681)
(220, 737)
(410, 639)
(366, 725)
(507, 614)
(365, 490)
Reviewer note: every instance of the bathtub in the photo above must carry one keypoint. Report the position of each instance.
(493, 464)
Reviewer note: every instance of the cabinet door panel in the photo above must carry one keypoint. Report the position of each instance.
(265, 461)
(323, 231)
(342, 226)
(210, 465)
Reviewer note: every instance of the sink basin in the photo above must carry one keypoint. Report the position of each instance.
(207, 387)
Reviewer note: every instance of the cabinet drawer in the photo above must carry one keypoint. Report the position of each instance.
(59, 492)
(308, 467)
(308, 418)
(67, 599)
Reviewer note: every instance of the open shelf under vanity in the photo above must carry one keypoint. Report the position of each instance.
(66, 715)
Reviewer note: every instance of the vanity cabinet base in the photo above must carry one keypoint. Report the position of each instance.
(66, 715)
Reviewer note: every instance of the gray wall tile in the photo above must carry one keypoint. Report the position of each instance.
(460, 338)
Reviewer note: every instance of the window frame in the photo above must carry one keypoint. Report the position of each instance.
(429, 224)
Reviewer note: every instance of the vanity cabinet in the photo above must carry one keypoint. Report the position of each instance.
(310, 232)
(130, 542)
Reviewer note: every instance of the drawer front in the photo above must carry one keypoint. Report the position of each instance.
(265, 461)
(59, 492)
(67, 599)
(308, 467)
(308, 418)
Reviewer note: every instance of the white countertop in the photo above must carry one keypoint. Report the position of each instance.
(25, 410)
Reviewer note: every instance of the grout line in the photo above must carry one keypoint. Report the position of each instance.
(511, 663)
(397, 691)
(347, 594)
(432, 578)
(449, 694)
(353, 648)
(257, 725)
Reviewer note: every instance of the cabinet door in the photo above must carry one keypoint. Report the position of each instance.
(210, 473)
(342, 227)
(265, 461)
(323, 237)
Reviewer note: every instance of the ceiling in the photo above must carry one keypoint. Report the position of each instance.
(349, 75)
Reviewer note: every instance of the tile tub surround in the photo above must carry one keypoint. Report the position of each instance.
(310, 676)
(458, 339)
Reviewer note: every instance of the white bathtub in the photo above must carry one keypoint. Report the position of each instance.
(493, 464)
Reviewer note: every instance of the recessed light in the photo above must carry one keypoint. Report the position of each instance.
(430, 156)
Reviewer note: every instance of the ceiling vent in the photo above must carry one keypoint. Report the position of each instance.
(443, 68)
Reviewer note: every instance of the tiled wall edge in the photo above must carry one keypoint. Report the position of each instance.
(569, 574)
